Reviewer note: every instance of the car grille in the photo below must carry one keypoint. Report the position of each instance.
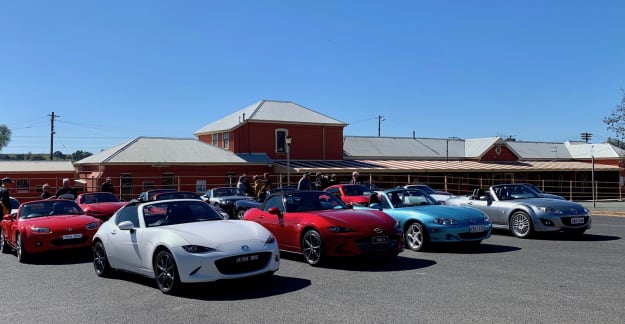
(230, 265)
(471, 236)
(366, 244)
(567, 220)
(76, 241)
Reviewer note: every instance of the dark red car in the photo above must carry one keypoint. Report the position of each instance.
(351, 194)
(101, 205)
(319, 225)
(46, 225)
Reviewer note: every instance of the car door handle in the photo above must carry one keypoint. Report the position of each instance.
(113, 232)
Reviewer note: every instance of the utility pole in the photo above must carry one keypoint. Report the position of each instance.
(586, 136)
(380, 120)
(52, 134)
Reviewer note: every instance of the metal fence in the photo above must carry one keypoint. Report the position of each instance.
(128, 188)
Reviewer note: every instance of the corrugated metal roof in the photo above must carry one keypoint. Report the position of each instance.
(389, 166)
(369, 147)
(157, 150)
(270, 111)
(35, 166)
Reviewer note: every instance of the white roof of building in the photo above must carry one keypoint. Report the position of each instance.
(158, 150)
(369, 147)
(12, 166)
(284, 112)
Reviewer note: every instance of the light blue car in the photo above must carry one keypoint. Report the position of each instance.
(426, 221)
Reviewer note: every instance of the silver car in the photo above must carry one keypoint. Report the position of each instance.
(523, 211)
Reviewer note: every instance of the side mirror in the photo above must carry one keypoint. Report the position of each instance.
(8, 216)
(375, 206)
(126, 226)
(274, 211)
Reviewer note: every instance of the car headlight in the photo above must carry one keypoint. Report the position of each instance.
(445, 221)
(339, 229)
(40, 230)
(549, 210)
(92, 226)
(270, 240)
(197, 249)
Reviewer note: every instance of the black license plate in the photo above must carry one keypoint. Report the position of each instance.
(246, 258)
(380, 239)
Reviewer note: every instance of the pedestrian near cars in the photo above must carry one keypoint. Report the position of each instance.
(5, 195)
(107, 186)
(66, 189)
(355, 178)
(321, 181)
(333, 180)
(258, 186)
(45, 191)
(304, 182)
(267, 181)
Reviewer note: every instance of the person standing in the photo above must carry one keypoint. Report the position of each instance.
(66, 189)
(321, 181)
(5, 196)
(333, 180)
(107, 186)
(355, 178)
(258, 186)
(45, 191)
(304, 182)
(267, 181)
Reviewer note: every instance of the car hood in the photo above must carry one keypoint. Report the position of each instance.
(547, 202)
(213, 233)
(357, 217)
(232, 197)
(440, 211)
(112, 206)
(59, 222)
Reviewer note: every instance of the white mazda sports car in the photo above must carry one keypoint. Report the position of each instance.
(182, 241)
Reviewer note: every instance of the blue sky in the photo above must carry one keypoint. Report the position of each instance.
(114, 70)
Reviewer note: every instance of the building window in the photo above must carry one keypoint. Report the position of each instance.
(22, 186)
(126, 187)
(200, 186)
(147, 185)
(169, 181)
(215, 139)
(226, 139)
(281, 140)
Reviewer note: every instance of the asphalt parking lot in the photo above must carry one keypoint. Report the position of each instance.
(547, 279)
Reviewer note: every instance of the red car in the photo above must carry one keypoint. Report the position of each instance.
(351, 194)
(46, 225)
(100, 205)
(319, 225)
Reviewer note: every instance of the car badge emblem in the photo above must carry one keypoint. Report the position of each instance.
(69, 229)
(377, 230)
(245, 248)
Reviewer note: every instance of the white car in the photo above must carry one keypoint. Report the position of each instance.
(182, 241)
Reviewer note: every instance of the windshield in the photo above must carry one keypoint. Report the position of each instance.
(49, 208)
(178, 212)
(407, 198)
(224, 192)
(509, 192)
(311, 201)
(356, 190)
(425, 188)
(97, 198)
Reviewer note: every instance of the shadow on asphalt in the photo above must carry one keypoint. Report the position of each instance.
(367, 263)
(561, 236)
(235, 289)
(61, 257)
(460, 248)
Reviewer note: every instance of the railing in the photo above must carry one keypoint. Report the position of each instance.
(27, 189)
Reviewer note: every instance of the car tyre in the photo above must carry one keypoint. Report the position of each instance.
(416, 238)
(100, 261)
(240, 213)
(521, 225)
(166, 272)
(22, 255)
(312, 248)
(3, 244)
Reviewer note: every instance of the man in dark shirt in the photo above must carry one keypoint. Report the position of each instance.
(5, 196)
(304, 182)
(66, 189)
(107, 186)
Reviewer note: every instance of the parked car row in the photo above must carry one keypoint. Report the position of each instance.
(179, 237)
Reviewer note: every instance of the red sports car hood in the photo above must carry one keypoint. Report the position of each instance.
(59, 222)
(105, 207)
(358, 218)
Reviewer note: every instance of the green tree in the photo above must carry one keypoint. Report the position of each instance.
(5, 136)
(58, 155)
(79, 155)
(616, 121)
